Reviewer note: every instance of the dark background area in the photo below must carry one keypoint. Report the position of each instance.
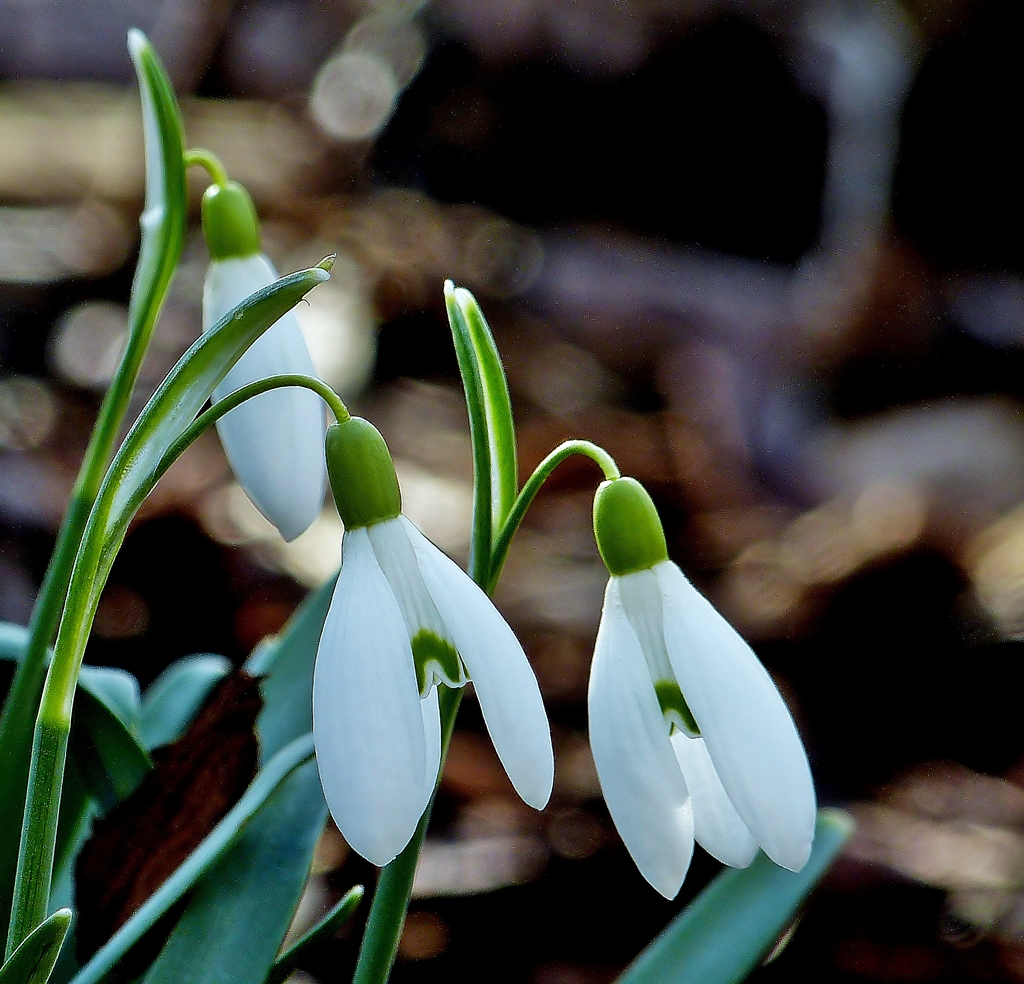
(768, 254)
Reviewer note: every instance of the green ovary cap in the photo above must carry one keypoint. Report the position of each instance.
(230, 223)
(627, 527)
(362, 474)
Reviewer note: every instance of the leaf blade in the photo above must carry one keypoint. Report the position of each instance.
(723, 933)
(34, 959)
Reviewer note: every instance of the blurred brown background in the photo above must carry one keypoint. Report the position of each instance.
(767, 253)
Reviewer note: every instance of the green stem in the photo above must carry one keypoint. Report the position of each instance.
(503, 540)
(203, 158)
(394, 887)
(32, 885)
(243, 393)
(22, 702)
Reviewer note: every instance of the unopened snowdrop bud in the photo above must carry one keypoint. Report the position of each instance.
(362, 474)
(627, 527)
(404, 618)
(273, 441)
(690, 736)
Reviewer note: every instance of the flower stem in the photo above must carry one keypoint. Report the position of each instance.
(503, 540)
(394, 887)
(243, 393)
(211, 162)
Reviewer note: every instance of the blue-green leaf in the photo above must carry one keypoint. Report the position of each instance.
(104, 742)
(728, 929)
(13, 639)
(238, 914)
(32, 962)
(174, 697)
(285, 666)
(209, 853)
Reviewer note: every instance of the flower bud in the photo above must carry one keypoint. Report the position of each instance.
(230, 223)
(628, 530)
(362, 474)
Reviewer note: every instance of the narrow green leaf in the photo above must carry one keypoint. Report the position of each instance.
(163, 232)
(482, 535)
(325, 929)
(174, 697)
(238, 914)
(32, 962)
(286, 668)
(501, 434)
(200, 861)
(726, 931)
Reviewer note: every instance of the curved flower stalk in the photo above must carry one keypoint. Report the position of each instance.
(405, 618)
(690, 736)
(274, 441)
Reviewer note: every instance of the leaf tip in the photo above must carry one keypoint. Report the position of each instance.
(327, 263)
(137, 43)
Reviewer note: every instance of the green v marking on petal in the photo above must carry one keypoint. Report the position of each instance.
(436, 662)
(676, 711)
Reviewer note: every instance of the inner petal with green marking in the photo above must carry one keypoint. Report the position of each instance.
(436, 662)
(673, 706)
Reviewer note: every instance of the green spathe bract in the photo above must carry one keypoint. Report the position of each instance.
(362, 474)
(627, 528)
(230, 224)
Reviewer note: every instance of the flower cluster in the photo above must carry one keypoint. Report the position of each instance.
(691, 738)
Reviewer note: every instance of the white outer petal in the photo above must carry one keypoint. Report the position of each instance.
(640, 778)
(717, 826)
(746, 726)
(432, 732)
(275, 441)
(505, 684)
(368, 725)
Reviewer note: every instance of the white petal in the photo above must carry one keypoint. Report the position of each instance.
(368, 725)
(432, 732)
(716, 824)
(640, 778)
(275, 441)
(505, 684)
(745, 724)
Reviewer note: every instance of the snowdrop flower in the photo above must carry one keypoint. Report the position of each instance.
(403, 619)
(690, 736)
(273, 441)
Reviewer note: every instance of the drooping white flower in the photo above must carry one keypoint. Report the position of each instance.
(690, 736)
(273, 441)
(404, 617)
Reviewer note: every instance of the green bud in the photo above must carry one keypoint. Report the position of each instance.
(230, 223)
(627, 527)
(362, 474)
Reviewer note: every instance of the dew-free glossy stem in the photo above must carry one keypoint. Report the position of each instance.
(209, 417)
(201, 157)
(529, 491)
(394, 887)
